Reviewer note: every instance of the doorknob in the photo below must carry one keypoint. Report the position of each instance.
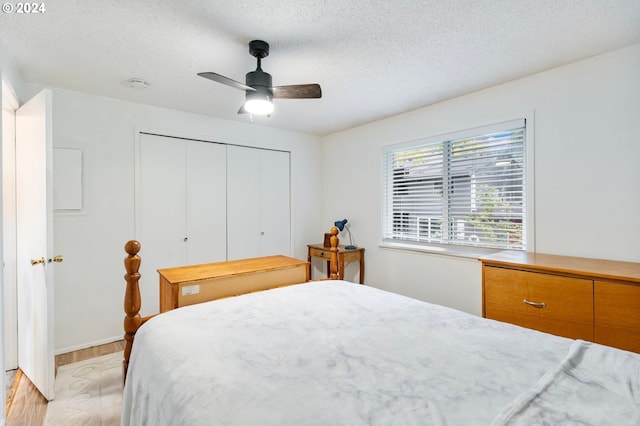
(37, 261)
(57, 259)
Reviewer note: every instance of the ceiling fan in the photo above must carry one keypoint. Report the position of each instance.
(258, 86)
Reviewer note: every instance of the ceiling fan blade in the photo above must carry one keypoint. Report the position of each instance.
(225, 80)
(298, 91)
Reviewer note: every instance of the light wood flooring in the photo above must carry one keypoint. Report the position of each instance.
(26, 406)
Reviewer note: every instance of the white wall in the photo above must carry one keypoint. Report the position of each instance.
(10, 75)
(587, 172)
(89, 283)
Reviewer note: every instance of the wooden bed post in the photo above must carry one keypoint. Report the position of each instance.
(333, 264)
(132, 319)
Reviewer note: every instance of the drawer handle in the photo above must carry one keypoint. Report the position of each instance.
(538, 305)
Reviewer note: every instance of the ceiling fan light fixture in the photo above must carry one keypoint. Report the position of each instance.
(258, 103)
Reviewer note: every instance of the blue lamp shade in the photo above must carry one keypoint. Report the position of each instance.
(341, 225)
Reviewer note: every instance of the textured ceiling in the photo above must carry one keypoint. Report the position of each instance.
(373, 58)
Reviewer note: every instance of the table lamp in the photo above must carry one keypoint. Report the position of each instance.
(342, 225)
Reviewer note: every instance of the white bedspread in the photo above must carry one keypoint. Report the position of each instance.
(338, 353)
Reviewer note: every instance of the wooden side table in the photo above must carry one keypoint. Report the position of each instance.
(344, 256)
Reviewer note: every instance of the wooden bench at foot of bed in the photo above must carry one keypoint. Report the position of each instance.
(133, 303)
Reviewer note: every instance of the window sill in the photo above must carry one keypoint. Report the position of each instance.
(471, 253)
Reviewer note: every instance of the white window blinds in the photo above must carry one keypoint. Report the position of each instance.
(461, 189)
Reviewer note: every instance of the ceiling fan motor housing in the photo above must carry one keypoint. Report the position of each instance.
(259, 80)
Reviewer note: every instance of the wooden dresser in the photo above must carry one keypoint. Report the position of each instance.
(187, 285)
(580, 298)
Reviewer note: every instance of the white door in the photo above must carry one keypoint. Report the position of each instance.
(34, 219)
(258, 203)
(243, 203)
(276, 203)
(180, 207)
(206, 202)
(160, 216)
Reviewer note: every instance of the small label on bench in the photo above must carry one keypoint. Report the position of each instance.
(188, 290)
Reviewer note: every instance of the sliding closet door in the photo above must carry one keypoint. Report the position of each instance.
(258, 205)
(276, 205)
(206, 230)
(161, 212)
(181, 209)
(243, 203)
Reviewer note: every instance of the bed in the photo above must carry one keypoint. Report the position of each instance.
(336, 353)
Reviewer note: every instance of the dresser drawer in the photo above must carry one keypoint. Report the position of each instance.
(550, 303)
(617, 315)
(346, 256)
(314, 252)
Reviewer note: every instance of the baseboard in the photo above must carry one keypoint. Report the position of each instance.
(61, 351)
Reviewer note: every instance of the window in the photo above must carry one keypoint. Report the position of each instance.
(464, 189)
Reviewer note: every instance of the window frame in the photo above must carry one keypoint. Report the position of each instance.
(526, 120)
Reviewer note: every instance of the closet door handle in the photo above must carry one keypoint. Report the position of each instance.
(538, 305)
